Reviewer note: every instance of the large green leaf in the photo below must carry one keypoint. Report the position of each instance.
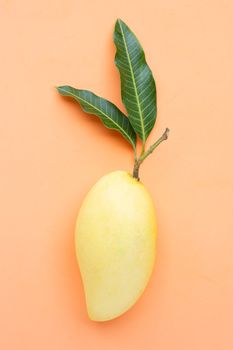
(110, 115)
(138, 89)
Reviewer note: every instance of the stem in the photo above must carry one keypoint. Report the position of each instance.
(152, 147)
(136, 169)
(135, 154)
(144, 155)
(143, 148)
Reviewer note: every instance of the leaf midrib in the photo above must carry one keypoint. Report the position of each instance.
(99, 110)
(134, 83)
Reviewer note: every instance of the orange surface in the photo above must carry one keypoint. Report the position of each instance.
(51, 153)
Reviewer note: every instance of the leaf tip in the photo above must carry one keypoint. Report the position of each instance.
(58, 88)
(119, 22)
(63, 90)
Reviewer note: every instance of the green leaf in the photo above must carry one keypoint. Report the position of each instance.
(109, 114)
(138, 89)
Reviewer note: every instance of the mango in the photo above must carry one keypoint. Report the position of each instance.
(115, 242)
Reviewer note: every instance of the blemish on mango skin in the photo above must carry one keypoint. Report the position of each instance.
(115, 244)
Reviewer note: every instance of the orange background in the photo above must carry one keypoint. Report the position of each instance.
(52, 153)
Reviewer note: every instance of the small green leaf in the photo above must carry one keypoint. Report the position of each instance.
(109, 114)
(138, 89)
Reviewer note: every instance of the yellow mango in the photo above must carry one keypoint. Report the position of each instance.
(115, 239)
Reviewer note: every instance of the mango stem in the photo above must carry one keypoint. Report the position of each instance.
(144, 155)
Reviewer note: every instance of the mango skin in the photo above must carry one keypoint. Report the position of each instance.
(115, 239)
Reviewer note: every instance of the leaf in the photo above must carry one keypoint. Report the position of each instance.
(110, 115)
(138, 89)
